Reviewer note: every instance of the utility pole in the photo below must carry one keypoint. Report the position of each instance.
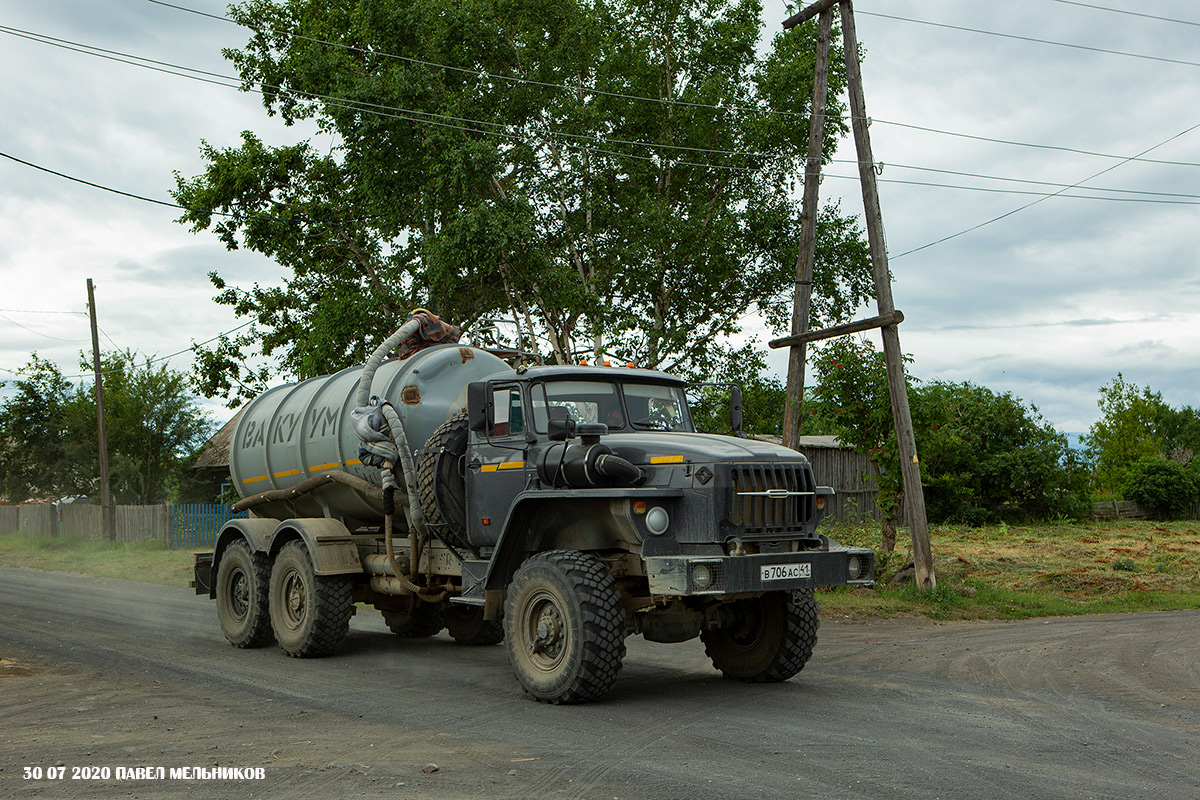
(107, 517)
(802, 302)
(889, 318)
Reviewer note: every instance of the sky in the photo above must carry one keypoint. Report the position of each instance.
(1049, 302)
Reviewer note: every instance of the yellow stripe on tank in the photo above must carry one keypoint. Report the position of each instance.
(666, 459)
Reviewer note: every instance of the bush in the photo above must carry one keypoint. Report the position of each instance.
(1166, 488)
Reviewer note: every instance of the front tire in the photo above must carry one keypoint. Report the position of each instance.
(310, 613)
(565, 627)
(771, 641)
(243, 579)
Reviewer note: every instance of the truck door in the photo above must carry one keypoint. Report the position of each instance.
(496, 470)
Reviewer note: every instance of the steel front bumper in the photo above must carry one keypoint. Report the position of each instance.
(703, 575)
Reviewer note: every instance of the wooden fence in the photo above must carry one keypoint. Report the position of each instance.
(847, 472)
(177, 526)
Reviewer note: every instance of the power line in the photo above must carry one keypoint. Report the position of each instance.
(370, 108)
(1042, 199)
(990, 190)
(1031, 39)
(481, 73)
(378, 109)
(1129, 13)
(1027, 181)
(39, 333)
(34, 311)
(337, 101)
(1033, 145)
(702, 105)
(157, 359)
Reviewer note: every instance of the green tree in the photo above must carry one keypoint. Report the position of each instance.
(35, 436)
(851, 400)
(1126, 432)
(154, 427)
(1167, 488)
(987, 456)
(762, 394)
(984, 456)
(618, 177)
(48, 435)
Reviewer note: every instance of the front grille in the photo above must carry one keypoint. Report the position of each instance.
(756, 512)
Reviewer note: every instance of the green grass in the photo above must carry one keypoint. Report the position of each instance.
(147, 562)
(994, 572)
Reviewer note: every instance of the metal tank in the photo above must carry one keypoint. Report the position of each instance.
(298, 430)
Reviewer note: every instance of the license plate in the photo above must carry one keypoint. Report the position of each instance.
(786, 572)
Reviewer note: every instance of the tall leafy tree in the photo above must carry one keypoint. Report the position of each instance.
(617, 177)
(48, 436)
(154, 427)
(988, 456)
(1126, 432)
(852, 401)
(35, 436)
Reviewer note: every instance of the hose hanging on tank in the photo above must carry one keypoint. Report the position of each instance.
(384, 443)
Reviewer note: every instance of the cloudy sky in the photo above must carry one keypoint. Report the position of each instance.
(1049, 302)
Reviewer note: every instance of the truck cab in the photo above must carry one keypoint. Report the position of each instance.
(701, 534)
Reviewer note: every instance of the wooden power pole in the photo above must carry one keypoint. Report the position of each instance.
(889, 318)
(107, 517)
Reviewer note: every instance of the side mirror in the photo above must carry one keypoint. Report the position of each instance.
(478, 400)
(560, 426)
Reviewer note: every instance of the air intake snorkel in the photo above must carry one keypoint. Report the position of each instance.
(586, 464)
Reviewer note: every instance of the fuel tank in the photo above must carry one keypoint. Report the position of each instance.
(295, 431)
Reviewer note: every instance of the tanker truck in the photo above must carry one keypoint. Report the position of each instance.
(556, 509)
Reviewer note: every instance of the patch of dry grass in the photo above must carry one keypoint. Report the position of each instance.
(1037, 570)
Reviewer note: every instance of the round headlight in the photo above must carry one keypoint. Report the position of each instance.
(855, 567)
(702, 576)
(657, 520)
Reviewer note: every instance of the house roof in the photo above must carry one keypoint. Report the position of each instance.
(809, 442)
(215, 454)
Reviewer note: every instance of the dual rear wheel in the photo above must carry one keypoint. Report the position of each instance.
(306, 614)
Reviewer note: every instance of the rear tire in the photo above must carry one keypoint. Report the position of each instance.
(310, 613)
(771, 641)
(418, 621)
(243, 579)
(565, 627)
(467, 625)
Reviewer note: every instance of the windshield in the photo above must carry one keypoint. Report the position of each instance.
(620, 406)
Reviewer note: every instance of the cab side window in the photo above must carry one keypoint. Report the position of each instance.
(510, 413)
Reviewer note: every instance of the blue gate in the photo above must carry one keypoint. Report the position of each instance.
(196, 525)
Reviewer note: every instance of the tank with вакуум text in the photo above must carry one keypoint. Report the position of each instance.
(299, 430)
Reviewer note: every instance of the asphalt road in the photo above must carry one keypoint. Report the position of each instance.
(103, 673)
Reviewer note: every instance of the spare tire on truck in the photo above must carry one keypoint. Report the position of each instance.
(441, 481)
